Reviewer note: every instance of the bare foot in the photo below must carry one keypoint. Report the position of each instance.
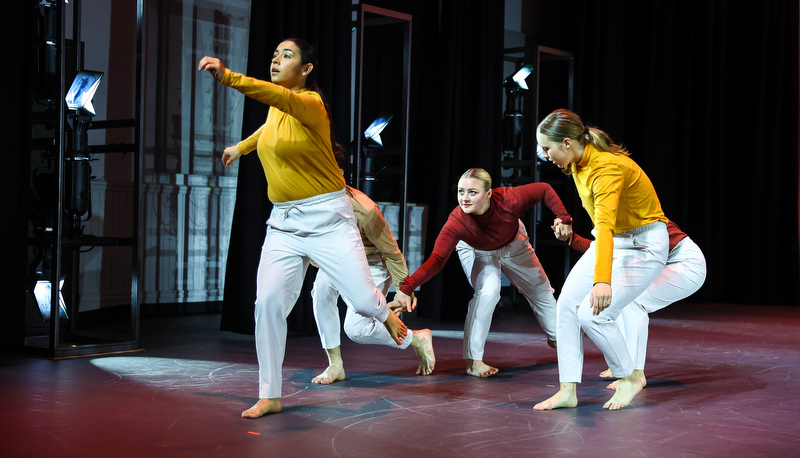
(335, 370)
(397, 329)
(606, 374)
(640, 375)
(422, 343)
(567, 396)
(480, 369)
(263, 407)
(627, 388)
(332, 373)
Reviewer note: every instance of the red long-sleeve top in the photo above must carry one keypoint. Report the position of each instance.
(490, 231)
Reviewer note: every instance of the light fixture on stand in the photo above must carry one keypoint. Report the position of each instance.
(77, 169)
(512, 117)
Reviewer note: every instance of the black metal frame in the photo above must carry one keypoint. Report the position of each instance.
(360, 23)
(58, 241)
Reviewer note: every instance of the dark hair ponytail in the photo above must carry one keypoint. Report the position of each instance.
(308, 55)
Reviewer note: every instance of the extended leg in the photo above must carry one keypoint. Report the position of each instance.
(483, 272)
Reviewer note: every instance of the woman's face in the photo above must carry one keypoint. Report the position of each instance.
(472, 198)
(559, 153)
(286, 69)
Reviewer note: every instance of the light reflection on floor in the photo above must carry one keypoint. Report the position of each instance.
(177, 373)
(168, 371)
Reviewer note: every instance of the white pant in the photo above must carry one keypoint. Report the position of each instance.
(322, 229)
(683, 275)
(360, 329)
(638, 259)
(483, 269)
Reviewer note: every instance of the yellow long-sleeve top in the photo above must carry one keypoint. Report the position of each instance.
(377, 236)
(618, 196)
(294, 144)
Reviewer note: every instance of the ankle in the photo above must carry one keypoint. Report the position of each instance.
(334, 356)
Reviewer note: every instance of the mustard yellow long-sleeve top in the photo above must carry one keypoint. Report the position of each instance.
(618, 196)
(294, 144)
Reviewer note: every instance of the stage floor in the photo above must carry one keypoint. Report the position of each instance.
(723, 380)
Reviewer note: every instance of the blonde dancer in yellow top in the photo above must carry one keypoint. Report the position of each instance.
(628, 254)
(312, 217)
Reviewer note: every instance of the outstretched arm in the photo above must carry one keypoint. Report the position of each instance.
(213, 66)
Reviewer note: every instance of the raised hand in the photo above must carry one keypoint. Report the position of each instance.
(213, 66)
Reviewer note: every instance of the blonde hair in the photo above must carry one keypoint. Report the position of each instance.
(479, 174)
(562, 124)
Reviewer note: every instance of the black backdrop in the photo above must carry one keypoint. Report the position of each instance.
(704, 93)
(452, 123)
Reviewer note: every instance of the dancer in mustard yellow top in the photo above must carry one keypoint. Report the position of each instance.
(629, 252)
(312, 217)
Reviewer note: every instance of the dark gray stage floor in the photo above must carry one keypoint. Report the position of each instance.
(723, 380)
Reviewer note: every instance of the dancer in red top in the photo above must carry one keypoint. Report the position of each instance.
(486, 231)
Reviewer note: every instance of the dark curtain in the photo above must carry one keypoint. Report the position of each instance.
(456, 120)
(460, 102)
(326, 25)
(705, 95)
(15, 179)
(455, 124)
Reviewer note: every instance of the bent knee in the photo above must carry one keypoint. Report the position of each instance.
(487, 294)
(359, 330)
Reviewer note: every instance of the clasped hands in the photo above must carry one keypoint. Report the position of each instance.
(562, 231)
(403, 303)
(600, 297)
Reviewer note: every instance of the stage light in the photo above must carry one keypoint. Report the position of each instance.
(42, 292)
(373, 132)
(512, 117)
(79, 96)
(521, 74)
(372, 136)
(77, 166)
